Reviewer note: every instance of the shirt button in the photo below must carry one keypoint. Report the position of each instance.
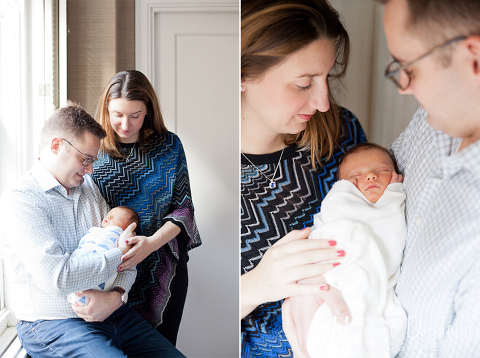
(418, 220)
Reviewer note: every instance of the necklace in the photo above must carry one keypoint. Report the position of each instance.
(272, 184)
(127, 158)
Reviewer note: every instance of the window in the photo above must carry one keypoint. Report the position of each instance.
(31, 75)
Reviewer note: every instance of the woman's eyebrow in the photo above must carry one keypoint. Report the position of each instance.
(308, 75)
(311, 75)
(130, 114)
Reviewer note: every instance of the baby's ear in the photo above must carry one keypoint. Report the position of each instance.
(396, 178)
(106, 220)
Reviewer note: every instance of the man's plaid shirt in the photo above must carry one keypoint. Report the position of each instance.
(40, 226)
(439, 284)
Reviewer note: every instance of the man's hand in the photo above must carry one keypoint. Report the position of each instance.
(101, 305)
(297, 316)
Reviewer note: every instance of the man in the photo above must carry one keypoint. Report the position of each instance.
(42, 221)
(436, 47)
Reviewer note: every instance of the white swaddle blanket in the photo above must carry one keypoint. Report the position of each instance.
(373, 236)
(96, 240)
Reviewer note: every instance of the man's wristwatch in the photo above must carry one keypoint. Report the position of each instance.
(121, 291)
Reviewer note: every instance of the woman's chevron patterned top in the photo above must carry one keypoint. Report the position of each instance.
(269, 214)
(154, 182)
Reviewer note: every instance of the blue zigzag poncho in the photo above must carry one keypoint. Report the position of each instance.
(154, 182)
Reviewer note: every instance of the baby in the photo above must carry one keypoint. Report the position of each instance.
(364, 214)
(113, 233)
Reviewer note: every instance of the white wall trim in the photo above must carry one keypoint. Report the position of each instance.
(145, 11)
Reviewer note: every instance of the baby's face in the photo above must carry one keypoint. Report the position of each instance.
(117, 217)
(370, 170)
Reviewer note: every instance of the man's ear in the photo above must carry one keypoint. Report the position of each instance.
(55, 145)
(473, 47)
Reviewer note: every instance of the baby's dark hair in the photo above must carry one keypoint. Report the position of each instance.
(134, 216)
(360, 148)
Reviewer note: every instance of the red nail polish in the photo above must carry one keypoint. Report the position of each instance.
(340, 253)
(332, 242)
(303, 229)
(126, 241)
(335, 264)
(323, 288)
(119, 269)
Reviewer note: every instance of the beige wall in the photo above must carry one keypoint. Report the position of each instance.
(375, 101)
(356, 95)
(100, 42)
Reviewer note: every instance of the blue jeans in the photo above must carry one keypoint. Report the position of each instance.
(123, 334)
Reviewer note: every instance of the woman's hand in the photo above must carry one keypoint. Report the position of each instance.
(140, 248)
(291, 259)
(101, 305)
(124, 239)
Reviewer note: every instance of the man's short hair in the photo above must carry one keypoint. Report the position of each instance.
(440, 20)
(70, 122)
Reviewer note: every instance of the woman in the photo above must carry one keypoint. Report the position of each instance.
(293, 135)
(143, 166)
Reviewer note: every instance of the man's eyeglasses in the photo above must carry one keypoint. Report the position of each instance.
(86, 159)
(398, 73)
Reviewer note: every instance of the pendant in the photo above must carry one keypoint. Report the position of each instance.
(272, 185)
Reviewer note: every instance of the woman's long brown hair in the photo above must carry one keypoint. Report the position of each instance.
(273, 30)
(133, 86)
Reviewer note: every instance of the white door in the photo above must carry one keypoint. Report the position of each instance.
(190, 52)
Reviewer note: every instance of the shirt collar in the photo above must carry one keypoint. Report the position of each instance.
(468, 159)
(46, 180)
